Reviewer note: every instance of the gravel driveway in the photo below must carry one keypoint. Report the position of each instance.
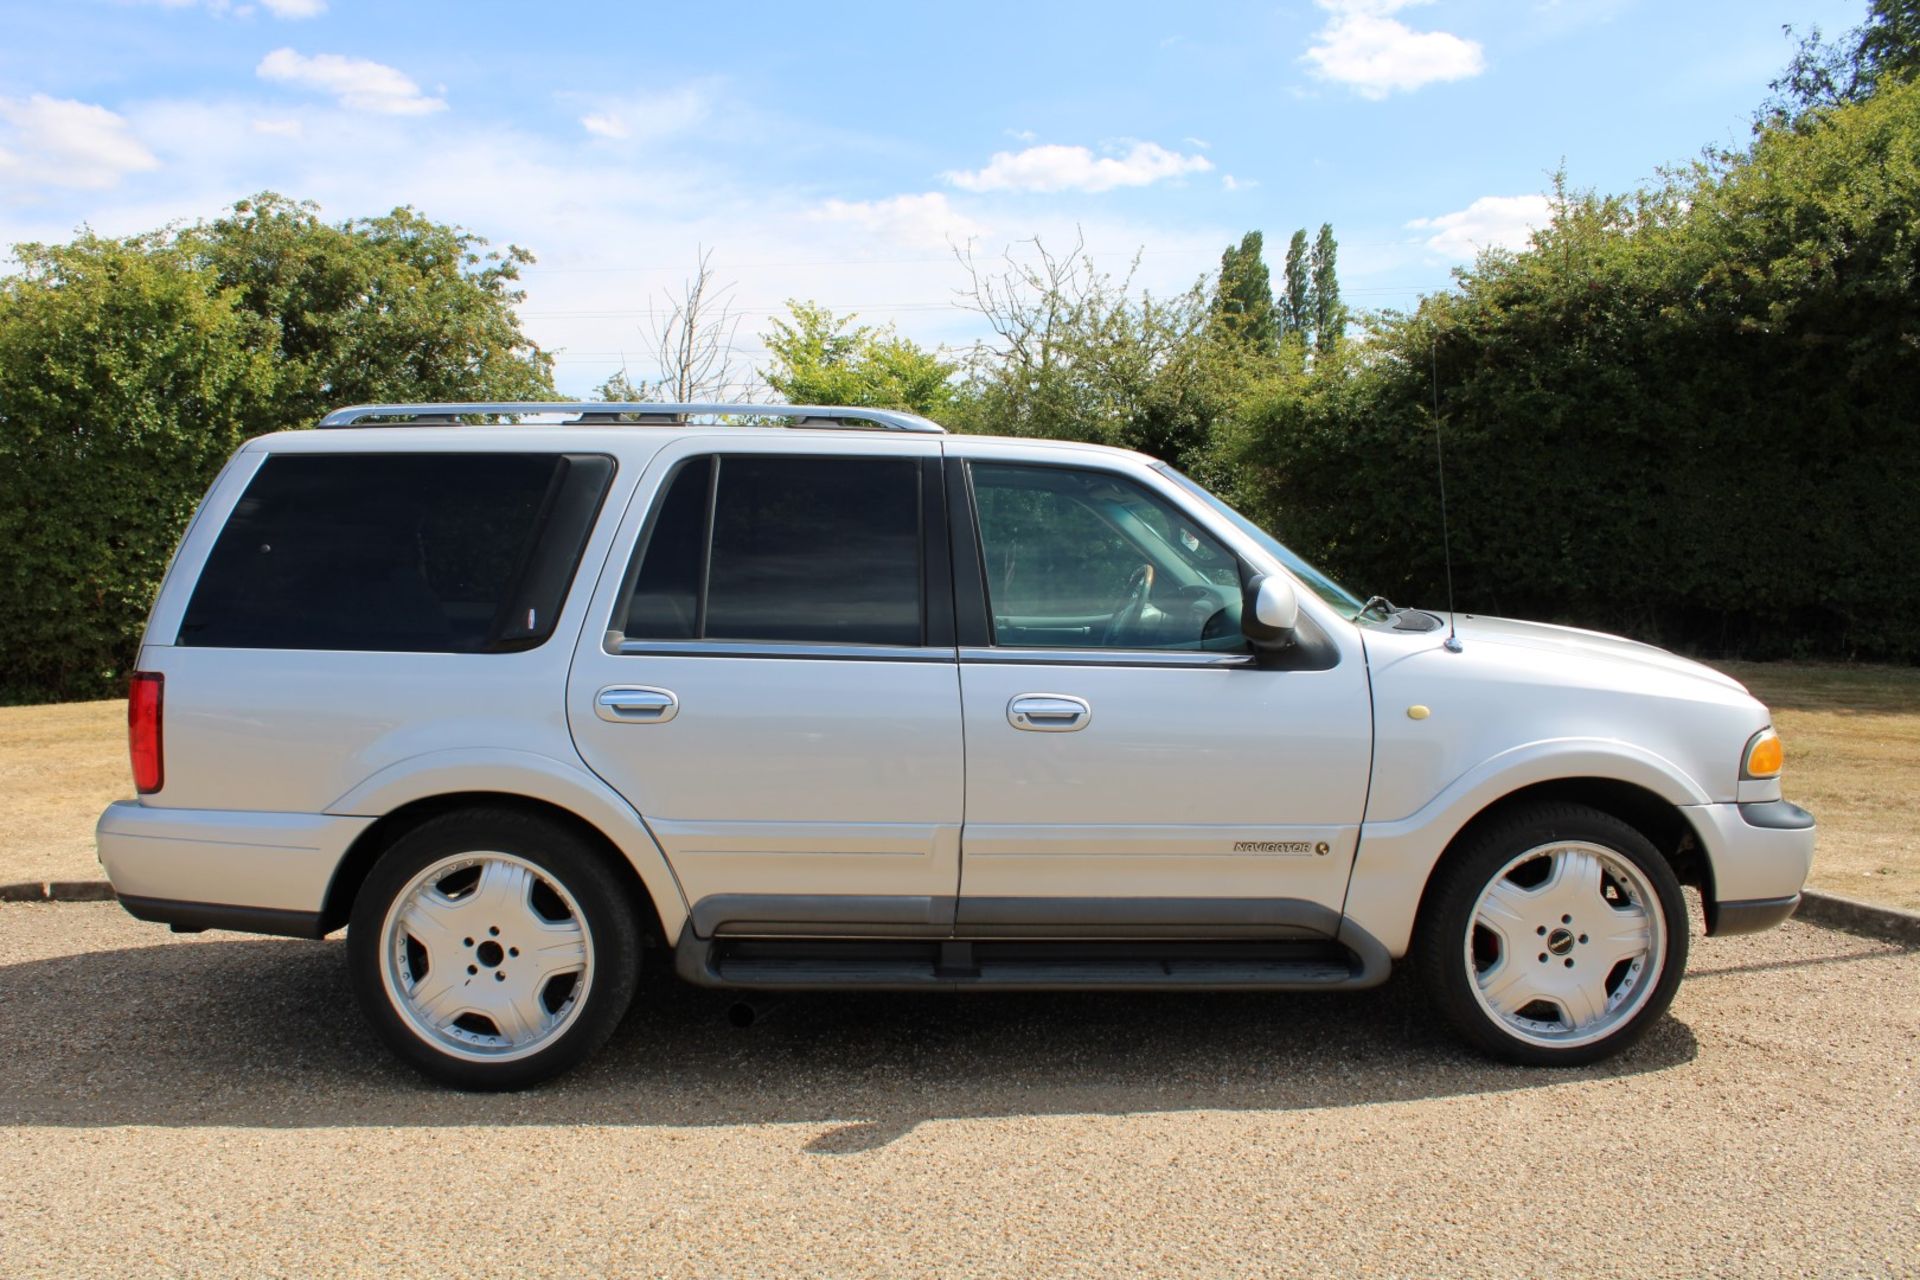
(214, 1105)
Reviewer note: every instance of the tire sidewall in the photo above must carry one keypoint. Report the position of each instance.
(561, 856)
(1465, 875)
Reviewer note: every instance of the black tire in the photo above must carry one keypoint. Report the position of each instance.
(609, 942)
(1451, 975)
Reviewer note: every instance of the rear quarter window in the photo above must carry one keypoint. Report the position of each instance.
(422, 553)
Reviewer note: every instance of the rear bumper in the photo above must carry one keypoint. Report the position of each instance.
(205, 868)
(1760, 855)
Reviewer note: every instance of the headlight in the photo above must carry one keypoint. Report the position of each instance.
(1763, 756)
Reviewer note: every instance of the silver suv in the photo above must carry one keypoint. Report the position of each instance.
(857, 703)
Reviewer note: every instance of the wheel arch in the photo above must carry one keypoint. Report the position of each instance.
(387, 831)
(1653, 815)
(1637, 786)
(409, 793)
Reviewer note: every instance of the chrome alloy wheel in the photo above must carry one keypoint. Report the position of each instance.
(1566, 944)
(485, 957)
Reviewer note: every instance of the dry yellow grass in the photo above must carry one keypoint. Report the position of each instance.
(59, 767)
(1852, 735)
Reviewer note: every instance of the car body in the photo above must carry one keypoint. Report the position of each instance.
(877, 707)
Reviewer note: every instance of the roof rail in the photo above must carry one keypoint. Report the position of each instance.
(613, 413)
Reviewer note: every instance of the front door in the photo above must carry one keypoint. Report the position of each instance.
(1129, 762)
(775, 688)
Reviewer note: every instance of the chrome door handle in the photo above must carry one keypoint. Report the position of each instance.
(636, 704)
(1049, 712)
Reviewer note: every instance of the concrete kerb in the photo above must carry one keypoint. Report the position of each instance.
(57, 891)
(1831, 911)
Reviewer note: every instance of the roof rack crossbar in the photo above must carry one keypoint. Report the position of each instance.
(610, 413)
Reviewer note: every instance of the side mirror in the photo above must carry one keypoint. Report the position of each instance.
(1270, 613)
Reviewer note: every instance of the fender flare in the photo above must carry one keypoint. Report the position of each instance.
(1395, 859)
(536, 777)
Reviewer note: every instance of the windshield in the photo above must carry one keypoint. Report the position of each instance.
(1319, 583)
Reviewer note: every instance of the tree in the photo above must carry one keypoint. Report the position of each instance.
(1687, 413)
(693, 342)
(1329, 316)
(1885, 47)
(1296, 307)
(127, 376)
(389, 308)
(620, 389)
(821, 358)
(1243, 295)
(1078, 354)
(130, 370)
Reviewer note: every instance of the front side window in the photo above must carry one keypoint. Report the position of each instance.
(419, 553)
(1090, 560)
(819, 550)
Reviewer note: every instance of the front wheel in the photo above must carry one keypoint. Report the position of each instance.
(1554, 937)
(492, 950)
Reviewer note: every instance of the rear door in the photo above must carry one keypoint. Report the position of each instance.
(774, 686)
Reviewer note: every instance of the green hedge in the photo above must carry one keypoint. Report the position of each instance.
(131, 369)
(1693, 416)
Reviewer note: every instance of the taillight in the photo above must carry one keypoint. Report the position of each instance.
(143, 730)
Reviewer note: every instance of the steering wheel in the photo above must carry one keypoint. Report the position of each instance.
(1127, 616)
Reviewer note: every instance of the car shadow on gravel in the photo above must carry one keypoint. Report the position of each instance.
(264, 1033)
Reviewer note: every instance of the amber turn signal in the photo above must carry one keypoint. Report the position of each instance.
(1764, 756)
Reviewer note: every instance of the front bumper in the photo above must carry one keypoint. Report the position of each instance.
(1759, 854)
(206, 868)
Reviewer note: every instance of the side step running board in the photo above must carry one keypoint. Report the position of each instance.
(915, 965)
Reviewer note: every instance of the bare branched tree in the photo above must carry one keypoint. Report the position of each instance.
(1075, 352)
(692, 337)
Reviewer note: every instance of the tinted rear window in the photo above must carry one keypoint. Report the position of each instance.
(821, 550)
(452, 553)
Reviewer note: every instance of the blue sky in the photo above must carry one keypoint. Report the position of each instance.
(835, 152)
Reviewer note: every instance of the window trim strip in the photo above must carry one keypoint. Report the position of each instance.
(1064, 657)
(784, 649)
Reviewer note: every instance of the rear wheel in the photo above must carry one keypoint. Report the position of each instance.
(1555, 936)
(492, 949)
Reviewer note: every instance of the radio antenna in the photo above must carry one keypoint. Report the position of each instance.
(1452, 644)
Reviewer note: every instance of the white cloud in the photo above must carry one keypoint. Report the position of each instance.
(1491, 222)
(57, 142)
(289, 10)
(278, 128)
(644, 116)
(617, 225)
(1052, 167)
(1364, 47)
(358, 84)
(1230, 183)
(922, 221)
